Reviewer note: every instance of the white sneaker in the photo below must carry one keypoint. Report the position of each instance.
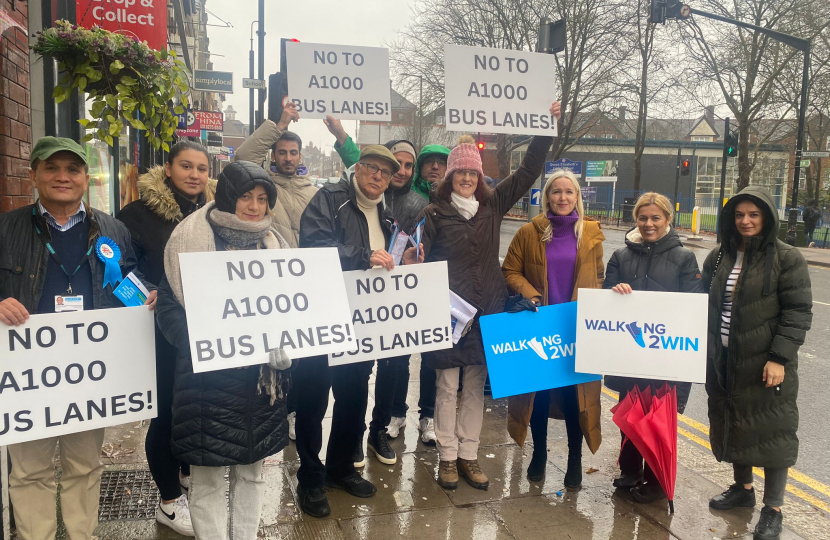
(185, 482)
(292, 426)
(394, 427)
(427, 429)
(176, 515)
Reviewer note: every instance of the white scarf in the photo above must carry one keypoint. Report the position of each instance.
(467, 207)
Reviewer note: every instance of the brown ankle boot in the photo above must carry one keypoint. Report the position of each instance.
(447, 474)
(471, 472)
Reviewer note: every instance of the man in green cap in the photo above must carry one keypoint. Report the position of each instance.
(351, 217)
(39, 243)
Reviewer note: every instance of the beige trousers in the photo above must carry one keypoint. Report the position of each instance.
(461, 441)
(33, 490)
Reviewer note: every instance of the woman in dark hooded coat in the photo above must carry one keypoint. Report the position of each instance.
(760, 309)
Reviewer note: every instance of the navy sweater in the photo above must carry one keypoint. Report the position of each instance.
(71, 247)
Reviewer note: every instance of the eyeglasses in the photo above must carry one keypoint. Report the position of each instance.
(434, 160)
(373, 170)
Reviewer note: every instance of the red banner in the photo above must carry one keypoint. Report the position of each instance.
(144, 19)
(210, 120)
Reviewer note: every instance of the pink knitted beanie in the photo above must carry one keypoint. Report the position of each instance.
(465, 156)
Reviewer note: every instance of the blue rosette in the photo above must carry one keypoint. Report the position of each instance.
(109, 253)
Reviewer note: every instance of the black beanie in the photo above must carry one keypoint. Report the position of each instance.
(239, 178)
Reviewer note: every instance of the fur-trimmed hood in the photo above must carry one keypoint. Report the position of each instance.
(160, 199)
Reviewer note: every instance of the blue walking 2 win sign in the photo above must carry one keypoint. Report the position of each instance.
(532, 351)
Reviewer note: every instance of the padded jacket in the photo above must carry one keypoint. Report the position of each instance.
(664, 265)
(751, 424)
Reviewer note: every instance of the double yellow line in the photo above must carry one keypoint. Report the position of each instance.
(802, 478)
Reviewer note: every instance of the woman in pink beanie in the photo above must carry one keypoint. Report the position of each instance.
(461, 227)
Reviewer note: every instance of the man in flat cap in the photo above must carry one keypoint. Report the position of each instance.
(52, 266)
(349, 216)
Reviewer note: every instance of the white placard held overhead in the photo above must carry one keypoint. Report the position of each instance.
(243, 304)
(398, 313)
(347, 82)
(645, 334)
(69, 372)
(499, 91)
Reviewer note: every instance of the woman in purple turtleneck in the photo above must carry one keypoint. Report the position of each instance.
(550, 258)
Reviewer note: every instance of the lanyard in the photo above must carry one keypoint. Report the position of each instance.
(57, 259)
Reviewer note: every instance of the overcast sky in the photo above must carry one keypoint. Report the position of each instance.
(369, 23)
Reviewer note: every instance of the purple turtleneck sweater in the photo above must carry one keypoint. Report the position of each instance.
(561, 258)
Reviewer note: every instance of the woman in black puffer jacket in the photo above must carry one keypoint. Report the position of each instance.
(229, 417)
(760, 309)
(654, 259)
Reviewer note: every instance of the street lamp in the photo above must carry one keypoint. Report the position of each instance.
(420, 107)
(251, 75)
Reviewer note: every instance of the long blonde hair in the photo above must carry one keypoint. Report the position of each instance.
(580, 210)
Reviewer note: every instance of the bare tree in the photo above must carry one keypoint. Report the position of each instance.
(749, 68)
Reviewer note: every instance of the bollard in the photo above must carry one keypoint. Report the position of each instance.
(695, 224)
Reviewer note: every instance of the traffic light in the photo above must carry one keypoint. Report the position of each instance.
(668, 9)
(481, 146)
(685, 167)
(731, 145)
(658, 12)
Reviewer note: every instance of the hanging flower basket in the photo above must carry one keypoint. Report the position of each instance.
(124, 79)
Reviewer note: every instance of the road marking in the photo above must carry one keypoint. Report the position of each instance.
(794, 474)
(822, 303)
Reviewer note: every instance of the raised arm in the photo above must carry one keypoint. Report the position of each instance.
(256, 147)
(345, 146)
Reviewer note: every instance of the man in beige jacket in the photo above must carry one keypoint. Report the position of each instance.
(293, 192)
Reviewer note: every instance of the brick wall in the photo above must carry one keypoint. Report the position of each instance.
(15, 112)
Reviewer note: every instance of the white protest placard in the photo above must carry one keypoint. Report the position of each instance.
(241, 305)
(345, 81)
(499, 91)
(645, 334)
(398, 313)
(69, 372)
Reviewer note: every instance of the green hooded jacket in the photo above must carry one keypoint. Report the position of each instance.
(751, 424)
(421, 186)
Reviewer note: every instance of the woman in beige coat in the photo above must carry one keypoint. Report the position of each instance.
(549, 260)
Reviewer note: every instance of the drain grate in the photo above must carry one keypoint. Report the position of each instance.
(128, 494)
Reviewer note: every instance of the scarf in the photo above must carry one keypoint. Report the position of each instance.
(369, 208)
(239, 234)
(467, 207)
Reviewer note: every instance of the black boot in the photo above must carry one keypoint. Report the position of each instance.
(737, 496)
(538, 464)
(573, 476)
(314, 502)
(770, 525)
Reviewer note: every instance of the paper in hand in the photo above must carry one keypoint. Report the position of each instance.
(131, 291)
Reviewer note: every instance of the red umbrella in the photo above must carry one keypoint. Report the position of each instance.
(629, 412)
(662, 421)
(650, 423)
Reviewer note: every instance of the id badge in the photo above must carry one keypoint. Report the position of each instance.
(69, 303)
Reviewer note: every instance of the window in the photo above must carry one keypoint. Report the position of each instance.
(707, 182)
(516, 157)
(608, 136)
(702, 138)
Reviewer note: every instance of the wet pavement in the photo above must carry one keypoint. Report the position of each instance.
(410, 504)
